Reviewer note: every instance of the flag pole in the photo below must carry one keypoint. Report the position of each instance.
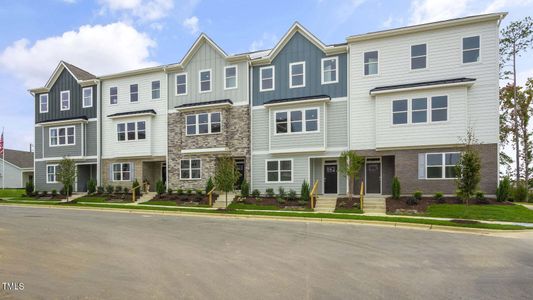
(3, 159)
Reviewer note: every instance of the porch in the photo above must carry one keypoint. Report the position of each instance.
(85, 172)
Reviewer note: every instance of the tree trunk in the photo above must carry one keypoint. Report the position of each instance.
(515, 118)
(226, 199)
(526, 147)
(350, 188)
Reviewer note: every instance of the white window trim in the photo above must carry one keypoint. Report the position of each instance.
(261, 78)
(66, 136)
(83, 97)
(200, 81)
(61, 100)
(429, 110)
(370, 75)
(152, 89)
(136, 130)
(41, 102)
(408, 111)
(110, 103)
(428, 104)
(443, 165)
(176, 84)
(197, 124)
(131, 93)
(411, 57)
(121, 172)
(304, 119)
(190, 169)
(279, 170)
(463, 50)
(55, 173)
(336, 58)
(236, 77)
(292, 86)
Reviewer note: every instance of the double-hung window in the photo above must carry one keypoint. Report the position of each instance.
(65, 100)
(371, 63)
(441, 165)
(418, 56)
(279, 170)
(330, 67)
(203, 123)
(399, 111)
(87, 97)
(190, 169)
(471, 49)
(131, 131)
(296, 121)
(297, 74)
(419, 110)
(230, 77)
(439, 108)
(205, 81)
(62, 136)
(51, 173)
(156, 89)
(181, 84)
(134, 93)
(43, 103)
(266, 79)
(113, 95)
(121, 172)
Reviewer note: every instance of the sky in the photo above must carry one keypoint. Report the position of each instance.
(108, 36)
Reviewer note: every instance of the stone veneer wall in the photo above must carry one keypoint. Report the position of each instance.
(234, 135)
(139, 171)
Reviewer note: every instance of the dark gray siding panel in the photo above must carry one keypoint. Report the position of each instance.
(90, 138)
(65, 82)
(38, 142)
(300, 49)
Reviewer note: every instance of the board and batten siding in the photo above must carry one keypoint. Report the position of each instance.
(299, 49)
(208, 58)
(444, 60)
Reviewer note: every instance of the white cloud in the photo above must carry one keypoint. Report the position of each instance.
(99, 49)
(423, 11)
(144, 10)
(192, 25)
(392, 21)
(499, 5)
(70, 1)
(267, 40)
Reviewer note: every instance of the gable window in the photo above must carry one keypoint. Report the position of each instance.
(51, 173)
(279, 170)
(330, 67)
(134, 93)
(65, 100)
(131, 131)
(121, 172)
(418, 56)
(419, 110)
(113, 95)
(62, 136)
(190, 169)
(156, 89)
(204, 123)
(181, 84)
(399, 111)
(439, 108)
(470, 49)
(297, 121)
(230, 77)
(87, 97)
(43, 103)
(205, 81)
(266, 79)
(371, 63)
(297, 75)
(441, 165)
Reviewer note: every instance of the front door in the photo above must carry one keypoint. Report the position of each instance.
(373, 177)
(330, 179)
(239, 164)
(164, 173)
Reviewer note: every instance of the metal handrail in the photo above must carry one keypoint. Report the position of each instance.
(210, 196)
(314, 193)
(133, 193)
(361, 194)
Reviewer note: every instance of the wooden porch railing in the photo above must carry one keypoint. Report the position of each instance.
(314, 193)
(361, 194)
(133, 193)
(210, 196)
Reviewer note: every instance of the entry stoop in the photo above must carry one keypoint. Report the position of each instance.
(374, 204)
(325, 203)
(221, 200)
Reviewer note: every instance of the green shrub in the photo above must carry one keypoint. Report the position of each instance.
(91, 186)
(44, 193)
(245, 188)
(292, 194)
(54, 192)
(199, 192)
(281, 201)
(480, 195)
(269, 192)
(118, 189)
(504, 190)
(64, 193)
(530, 197)
(160, 187)
(281, 192)
(109, 189)
(29, 188)
(520, 192)
(179, 191)
(417, 195)
(100, 190)
(170, 191)
(135, 185)
(396, 189)
(304, 191)
(439, 196)
(256, 193)
(126, 190)
(189, 192)
(209, 185)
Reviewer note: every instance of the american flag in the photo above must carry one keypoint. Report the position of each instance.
(2, 143)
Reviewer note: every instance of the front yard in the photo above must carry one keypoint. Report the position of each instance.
(509, 213)
(11, 193)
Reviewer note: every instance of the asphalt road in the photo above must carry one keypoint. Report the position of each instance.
(73, 254)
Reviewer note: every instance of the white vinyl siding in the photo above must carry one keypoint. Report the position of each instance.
(43, 103)
(65, 100)
(87, 97)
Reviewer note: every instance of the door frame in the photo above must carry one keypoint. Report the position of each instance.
(375, 160)
(330, 163)
(243, 160)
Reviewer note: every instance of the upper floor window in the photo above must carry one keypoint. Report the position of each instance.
(297, 74)
(205, 81)
(131, 131)
(441, 165)
(230, 77)
(419, 110)
(181, 84)
(204, 123)
(439, 108)
(87, 97)
(113, 95)
(470, 49)
(134, 93)
(418, 56)
(190, 169)
(62, 136)
(330, 67)
(371, 63)
(156, 89)
(295, 121)
(65, 100)
(399, 111)
(51, 173)
(279, 170)
(266, 79)
(121, 172)
(43, 103)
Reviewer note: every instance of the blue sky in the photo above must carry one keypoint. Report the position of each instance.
(107, 36)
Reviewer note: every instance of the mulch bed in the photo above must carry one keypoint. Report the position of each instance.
(191, 200)
(402, 206)
(49, 197)
(346, 203)
(273, 201)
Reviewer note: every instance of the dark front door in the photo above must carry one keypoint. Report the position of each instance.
(239, 164)
(373, 177)
(330, 179)
(164, 173)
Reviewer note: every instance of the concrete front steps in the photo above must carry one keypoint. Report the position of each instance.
(325, 203)
(221, 200)
(374, 204)
(146, 197)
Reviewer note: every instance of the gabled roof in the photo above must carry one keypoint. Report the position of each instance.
(79, 74)
(21, 159)
(297, 27)
(423, 84)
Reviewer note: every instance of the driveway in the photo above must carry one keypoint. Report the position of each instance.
(65, 254)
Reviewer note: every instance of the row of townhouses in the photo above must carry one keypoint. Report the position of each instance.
(402, 98)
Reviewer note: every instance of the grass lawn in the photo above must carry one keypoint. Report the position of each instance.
(510, 213)
(349, 210)
(8, 193)
(160, 202)
(262, 207)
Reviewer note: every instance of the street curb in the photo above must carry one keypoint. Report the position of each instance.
(403, 225)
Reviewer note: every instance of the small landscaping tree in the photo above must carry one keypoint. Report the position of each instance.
(29, 188)
(504, 190)
(135, 188)
(160, 187)
(468, 169)
(350, 164)
(396, 188)
(226, 175)
(91, 186)
(304, 191)
(245, 188)
(209, 186)
(67, 175)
